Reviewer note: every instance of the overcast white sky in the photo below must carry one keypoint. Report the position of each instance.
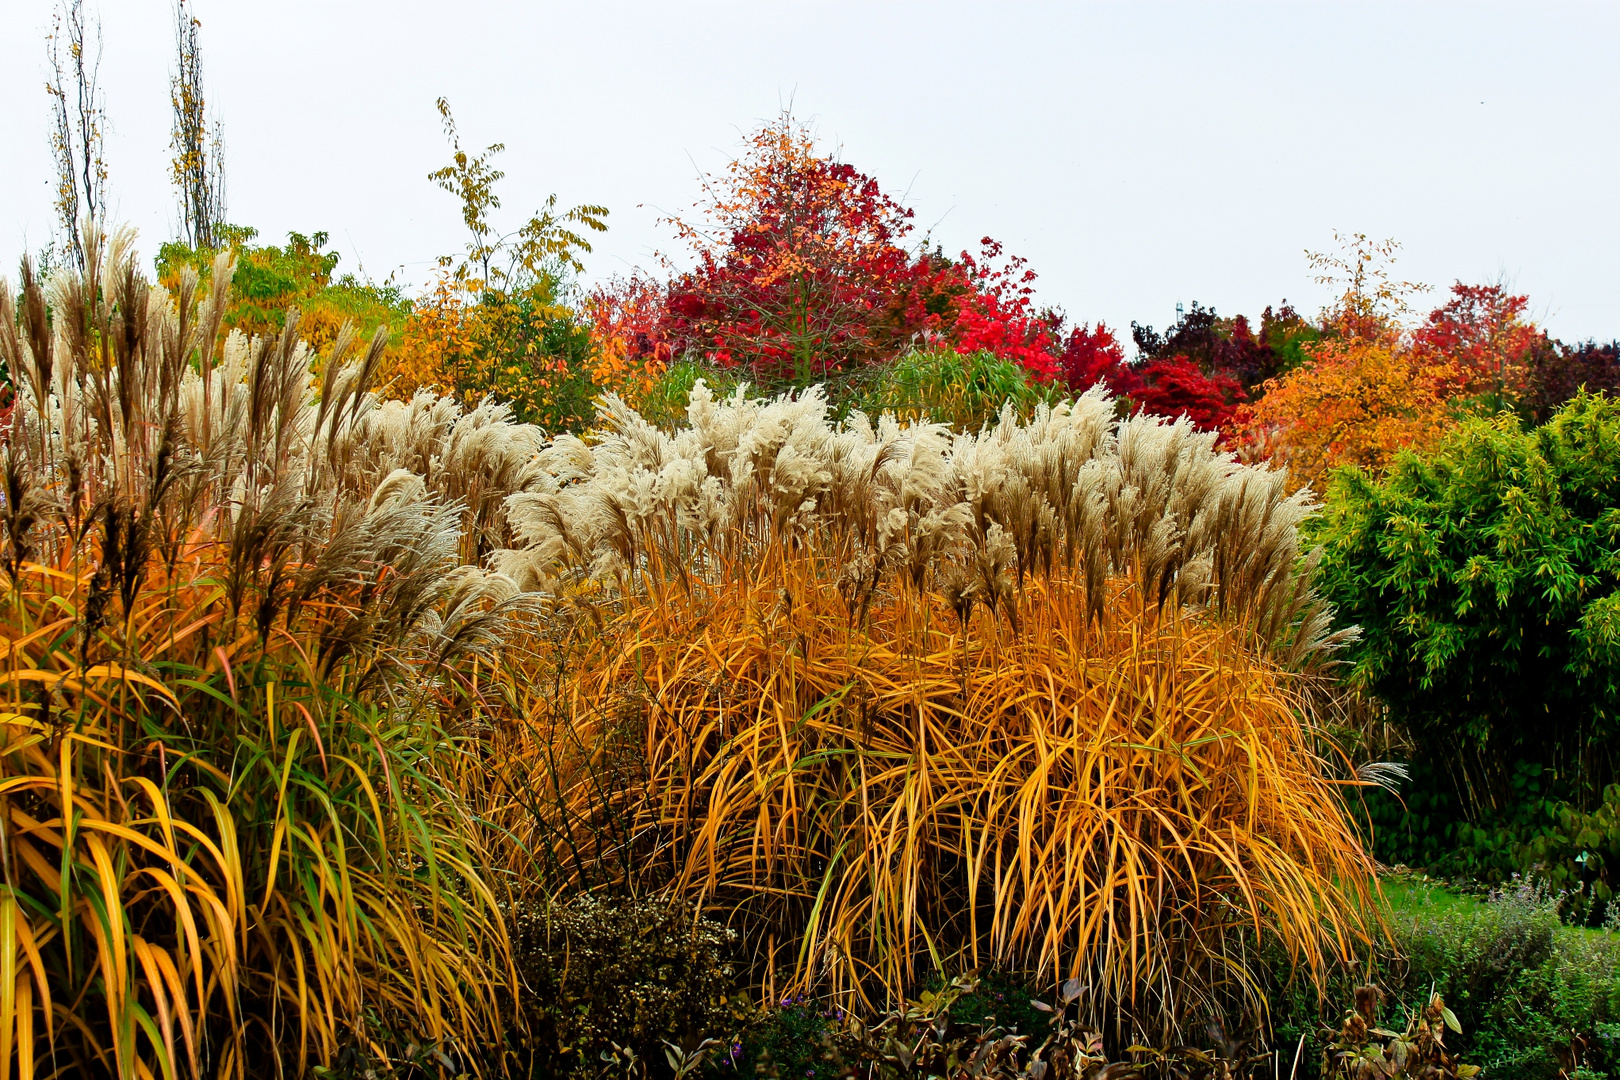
(1136, 153)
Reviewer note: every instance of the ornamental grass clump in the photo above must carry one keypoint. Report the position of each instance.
(896, 701)
(236, 626)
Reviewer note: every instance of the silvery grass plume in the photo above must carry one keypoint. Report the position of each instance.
(972, 514)
(132, 420)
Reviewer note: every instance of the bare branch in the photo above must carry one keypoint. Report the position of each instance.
(77, 139)
(198, 168)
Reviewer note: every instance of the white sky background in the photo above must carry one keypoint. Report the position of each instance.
(1137, 154)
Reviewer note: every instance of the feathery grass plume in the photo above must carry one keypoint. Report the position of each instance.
(897, 699)
(1142, 497)
(234, 620)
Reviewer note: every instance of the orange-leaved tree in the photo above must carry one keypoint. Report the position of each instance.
(1371, 387)
(623, 315)
(438, 331)
(1365, 392)
(1360, 401)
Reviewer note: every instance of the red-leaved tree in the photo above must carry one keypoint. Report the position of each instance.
(798, 264)
(995, 312)
(1095, 356)
(1168, 385)
(801, 273)
(1482, 331)
(1175, 386)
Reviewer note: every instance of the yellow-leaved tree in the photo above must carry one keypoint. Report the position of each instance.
(497, 322)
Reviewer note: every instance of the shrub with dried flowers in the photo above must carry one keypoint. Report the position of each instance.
(621, 981)
(1365, 1051)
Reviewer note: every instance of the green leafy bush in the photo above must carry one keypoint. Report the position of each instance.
(530, 352)
(1486, 580)
(664, 402)
(270, 279)
(621, 978)
(1531, 994)
(965, 390)
(1000, 999)
(1424, 826)
(1581, 853)
(799, 1039)
(1524, 986)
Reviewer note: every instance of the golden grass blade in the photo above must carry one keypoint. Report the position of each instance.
(13, 1020)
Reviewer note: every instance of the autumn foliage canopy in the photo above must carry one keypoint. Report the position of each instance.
(796, 268)
(799, 272)
(1371, 387)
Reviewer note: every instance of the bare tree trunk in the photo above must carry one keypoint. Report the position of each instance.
(198, 168)
(77, 143)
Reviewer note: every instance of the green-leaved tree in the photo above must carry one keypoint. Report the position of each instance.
(1485, 577)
